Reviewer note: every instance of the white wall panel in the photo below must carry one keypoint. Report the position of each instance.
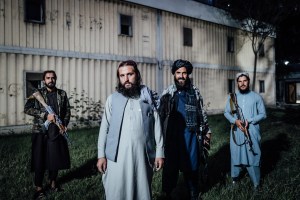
(80, 40)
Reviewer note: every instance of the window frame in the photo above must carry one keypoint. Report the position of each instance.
(231, 85)
(187, 37)
(262, 86)
(32, 80)
(261, 50)
(230, 44)
(41, 9)
(122, 18)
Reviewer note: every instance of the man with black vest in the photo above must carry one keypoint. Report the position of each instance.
(130, 143)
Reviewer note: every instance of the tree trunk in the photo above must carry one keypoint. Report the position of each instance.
(254, 71)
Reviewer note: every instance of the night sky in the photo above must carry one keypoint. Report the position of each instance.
(288, 40)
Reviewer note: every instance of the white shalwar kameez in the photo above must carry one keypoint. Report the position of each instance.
(130, 177)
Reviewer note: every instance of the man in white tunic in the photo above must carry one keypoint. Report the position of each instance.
(130, 143)
(245, 152)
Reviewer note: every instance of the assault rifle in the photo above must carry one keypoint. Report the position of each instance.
(240, 116)
(58, 121)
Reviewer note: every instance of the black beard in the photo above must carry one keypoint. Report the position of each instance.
(244, 91)
(182, 87)
(133, 92)
(50, 86)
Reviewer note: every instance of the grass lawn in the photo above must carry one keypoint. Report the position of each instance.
(280, 164)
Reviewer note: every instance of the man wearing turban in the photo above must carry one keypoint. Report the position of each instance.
(185, 125)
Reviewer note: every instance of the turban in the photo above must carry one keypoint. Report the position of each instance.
(238, 75)
(182, 63)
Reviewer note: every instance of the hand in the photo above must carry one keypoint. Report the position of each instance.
(207, 139)
(158, 163)
(62, 129)
(240, 125)
(51, 118)
(102, 165)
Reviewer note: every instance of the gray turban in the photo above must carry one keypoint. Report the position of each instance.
(182, 63)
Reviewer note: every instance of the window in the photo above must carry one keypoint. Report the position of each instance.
(35, 11)
(261, 50)
(261, 86)
(293, 92)
(126, 25)
(187, 37)
(231, 85)
(33, 81)
(230, 44)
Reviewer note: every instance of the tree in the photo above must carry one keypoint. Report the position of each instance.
(259, 19)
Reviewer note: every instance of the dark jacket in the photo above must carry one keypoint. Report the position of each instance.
(36, 109)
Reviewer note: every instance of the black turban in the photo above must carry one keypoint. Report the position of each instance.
(182, 63)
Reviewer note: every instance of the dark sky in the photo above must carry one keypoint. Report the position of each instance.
(288, 39)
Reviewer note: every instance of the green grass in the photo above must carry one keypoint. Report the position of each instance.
(280, 164)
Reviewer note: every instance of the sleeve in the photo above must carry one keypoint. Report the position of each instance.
(261, 111)
(158, 137)
(163, 108)
(155, 99)
(227, 112)
(33, 108)
(104, 127)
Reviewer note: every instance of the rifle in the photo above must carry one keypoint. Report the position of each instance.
(240, 116)
(204, 153)
(58, 121)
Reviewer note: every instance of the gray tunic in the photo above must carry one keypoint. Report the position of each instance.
(131, 176)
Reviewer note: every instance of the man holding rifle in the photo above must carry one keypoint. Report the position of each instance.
(49, 146)
(244, 110)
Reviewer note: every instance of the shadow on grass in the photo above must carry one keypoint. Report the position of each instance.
(219, 163)
(271, 150)
(86, 170)
(218, 168)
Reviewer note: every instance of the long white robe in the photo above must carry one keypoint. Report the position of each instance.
(130, 177)
(254, 111)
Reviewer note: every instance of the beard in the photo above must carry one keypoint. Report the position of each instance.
(50, 85)
(181, 86)
(244, 91)
(132, 92)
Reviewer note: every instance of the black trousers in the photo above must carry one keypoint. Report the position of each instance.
(49, 152)
(39, 176)
(170, 177)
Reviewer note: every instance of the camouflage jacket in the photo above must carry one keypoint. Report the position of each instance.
(35, 109)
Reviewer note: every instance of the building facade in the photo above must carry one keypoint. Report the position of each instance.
(84, 41)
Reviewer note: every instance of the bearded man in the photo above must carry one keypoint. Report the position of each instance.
(49, 147)
(130, 143)
(185, 120)
(245, 151)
